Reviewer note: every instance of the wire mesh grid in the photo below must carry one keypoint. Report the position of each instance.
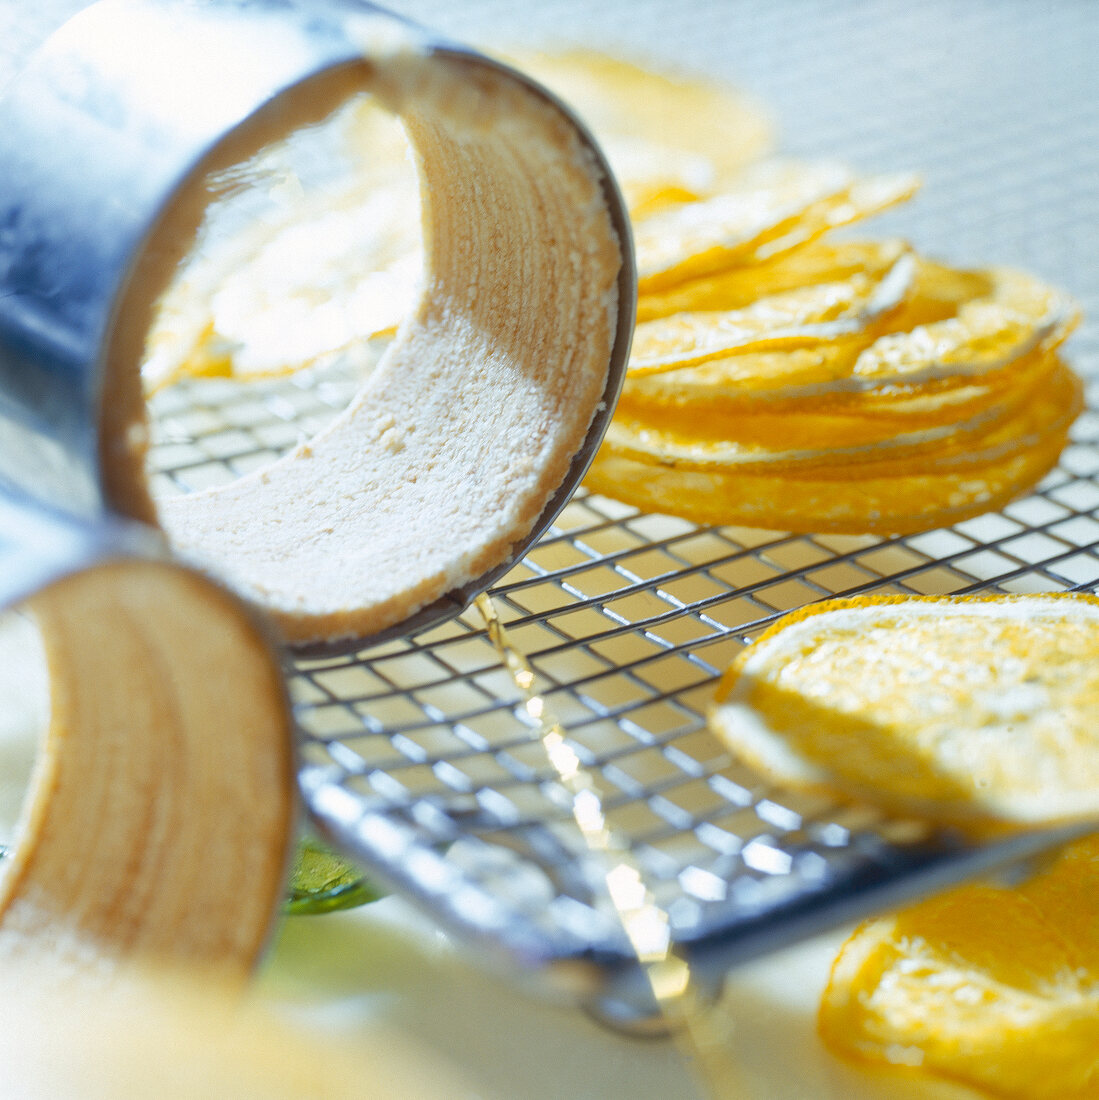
(418, 756)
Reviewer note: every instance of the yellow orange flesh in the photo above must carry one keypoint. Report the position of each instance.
(973, 710)
(995, 987)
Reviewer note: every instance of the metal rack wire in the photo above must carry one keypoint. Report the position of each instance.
(418, 756)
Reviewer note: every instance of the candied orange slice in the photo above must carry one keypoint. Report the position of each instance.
(727, 393)
(816, 314)
(885, 505)
(737, 287)
(776, 207)
(820, 314)
(938, 399)
(774, 379)
(706, 400)
(1069, 888)
(940, 291)
(697, 238)
(666, 435)
(793, 375)
(1024, 421)
(999, 429)
(995, 987)
(863, 199)
(972, 710)
(983, 341)
(702, 428)
(1019, 314)
(671, 135)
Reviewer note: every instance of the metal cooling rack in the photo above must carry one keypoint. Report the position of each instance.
(419, 758)
(417, 755)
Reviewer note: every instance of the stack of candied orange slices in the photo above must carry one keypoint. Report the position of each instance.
(780, 379)
(978, 712)
(783, 378)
